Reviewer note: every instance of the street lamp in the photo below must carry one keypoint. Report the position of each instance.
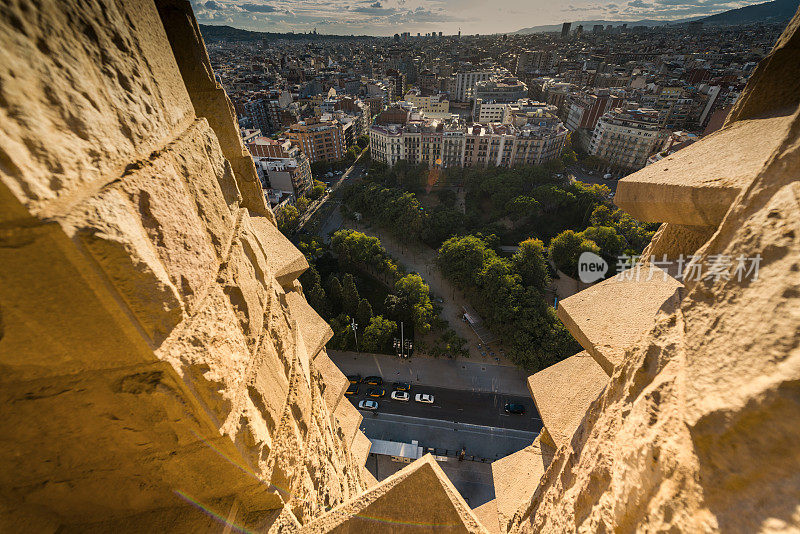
(355, 329)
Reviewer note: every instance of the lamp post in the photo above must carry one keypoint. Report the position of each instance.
(355, 329)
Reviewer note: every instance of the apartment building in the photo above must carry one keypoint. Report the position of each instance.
(491, 111)
(530, 61)
(433, 106)
(465, 83)
(500, 89)
(318, 140)
(626, 138)
(452, 143)
(585, 109)
(281, 166)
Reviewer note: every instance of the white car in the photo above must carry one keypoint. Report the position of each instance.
(424, 397)
(400, 395)
(368, 405)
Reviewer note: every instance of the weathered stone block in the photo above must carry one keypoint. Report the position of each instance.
(564, 391)
(84, 98)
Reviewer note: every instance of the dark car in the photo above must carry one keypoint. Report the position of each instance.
(373, 380)
(376, 392)
(352, 390)
(402, 386)
(354, 379)
(517, 409)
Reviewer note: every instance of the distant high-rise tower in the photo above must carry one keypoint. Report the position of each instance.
(565, 29)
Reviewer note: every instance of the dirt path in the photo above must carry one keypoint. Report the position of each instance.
(420, 259)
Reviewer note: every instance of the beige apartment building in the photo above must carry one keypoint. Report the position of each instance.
(318, 140)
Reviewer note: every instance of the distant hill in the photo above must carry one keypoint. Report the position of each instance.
(229, 33)
(775, 11)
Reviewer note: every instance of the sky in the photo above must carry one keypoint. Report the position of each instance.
(387, 17)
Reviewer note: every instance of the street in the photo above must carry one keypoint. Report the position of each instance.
(438, 372)
(472, 407)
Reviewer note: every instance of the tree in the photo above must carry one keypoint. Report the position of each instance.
(364, 312)
(566, 248)
(610, 242)
(350, 296)
(522, 206)
(302, 204)
(460, 258)
(317, 190)
(315, 295)
(288, 218)
(416, 295)
(377, 334)
(441, 224)
(447, 197)
(530, 263)
(335, 295)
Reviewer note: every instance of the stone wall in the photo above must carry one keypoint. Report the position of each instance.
(156, 368)
(160, 369)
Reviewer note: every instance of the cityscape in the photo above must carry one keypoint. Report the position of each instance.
(257, 278)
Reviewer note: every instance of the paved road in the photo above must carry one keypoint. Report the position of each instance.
(440, 372)
(458, 406)
(447, 438)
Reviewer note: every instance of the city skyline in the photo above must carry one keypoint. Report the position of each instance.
(386, 17)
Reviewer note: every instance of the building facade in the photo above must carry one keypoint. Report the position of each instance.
(465, 83)
(318, 140)
(626, 138)
(537, 140)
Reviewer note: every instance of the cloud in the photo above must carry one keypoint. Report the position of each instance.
(214, 6)
(376, 4)
(258, 8)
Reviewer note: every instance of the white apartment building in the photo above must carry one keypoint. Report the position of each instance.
(626, 138)
(485, 112)
(465, 83)
(452, 144)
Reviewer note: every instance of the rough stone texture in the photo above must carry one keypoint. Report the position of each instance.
(516, 477)
(154, 377)
(697, 429)
(672, 242)
(697, 185)
(487, 515)
(287, 263)
(419, 498)
(563, 392)
(612, 315)
(333, 381)
(348, 418)
(316, 332)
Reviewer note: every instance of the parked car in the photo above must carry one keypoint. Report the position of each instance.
(352, 390)
(368, 405)
(606, 177)
(400, 396)
(402, 386)
(373, 381)
(516, 409)
(424, 398)
(376, 392)
(354, 379)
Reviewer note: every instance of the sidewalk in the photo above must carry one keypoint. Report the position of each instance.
(445, 373)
